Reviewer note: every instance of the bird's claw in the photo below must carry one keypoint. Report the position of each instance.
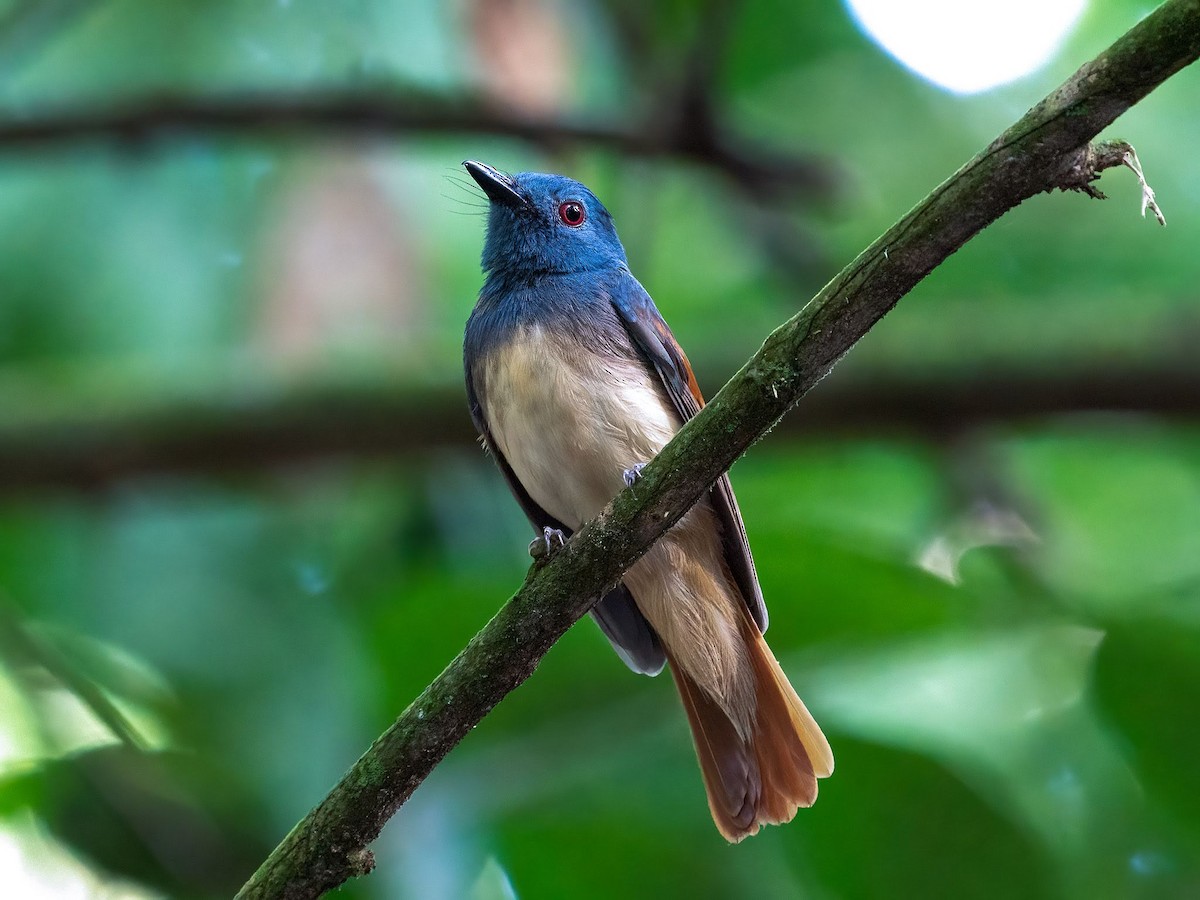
(551, 541)
(633, 474)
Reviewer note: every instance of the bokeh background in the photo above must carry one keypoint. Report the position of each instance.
(243, 520)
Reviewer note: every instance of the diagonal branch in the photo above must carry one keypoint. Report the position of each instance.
(1042, 151)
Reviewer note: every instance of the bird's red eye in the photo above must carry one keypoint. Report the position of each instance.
(572, 213)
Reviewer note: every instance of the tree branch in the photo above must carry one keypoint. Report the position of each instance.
(1037, 154)
(80, 441)
(139, 121)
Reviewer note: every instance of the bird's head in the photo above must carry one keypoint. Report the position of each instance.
(544, 224)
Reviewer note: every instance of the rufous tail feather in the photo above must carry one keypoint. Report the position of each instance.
(764, 778)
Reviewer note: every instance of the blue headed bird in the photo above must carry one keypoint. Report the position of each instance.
(574, 382)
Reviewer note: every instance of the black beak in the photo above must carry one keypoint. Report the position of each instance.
(499, 187)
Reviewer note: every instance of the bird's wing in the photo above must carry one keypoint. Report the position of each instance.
(652, 336)
(616, 614)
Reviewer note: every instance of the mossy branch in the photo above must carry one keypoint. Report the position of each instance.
(1047, 149)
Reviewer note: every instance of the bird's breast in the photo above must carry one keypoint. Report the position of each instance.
(570, 418)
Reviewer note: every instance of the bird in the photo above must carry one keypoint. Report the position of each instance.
(574, 383)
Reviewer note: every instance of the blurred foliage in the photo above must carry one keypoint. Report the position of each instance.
(1000, 629)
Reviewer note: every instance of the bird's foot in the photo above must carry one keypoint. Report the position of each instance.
(633, 474)
(551, 541)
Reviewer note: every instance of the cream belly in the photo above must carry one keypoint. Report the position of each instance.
(570, 422)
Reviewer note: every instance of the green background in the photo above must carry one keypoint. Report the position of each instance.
(996, 620)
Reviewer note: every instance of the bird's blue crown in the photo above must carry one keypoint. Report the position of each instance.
(544, 224)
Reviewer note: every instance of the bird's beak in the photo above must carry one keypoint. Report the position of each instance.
(499, 187)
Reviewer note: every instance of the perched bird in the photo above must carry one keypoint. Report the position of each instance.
(575, 382)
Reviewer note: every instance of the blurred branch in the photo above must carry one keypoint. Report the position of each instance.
(137, 122)
(1047, 149)
(84, 443)
(94, 437)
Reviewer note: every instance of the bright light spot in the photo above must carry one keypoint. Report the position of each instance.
(35, 867)
(968, 46)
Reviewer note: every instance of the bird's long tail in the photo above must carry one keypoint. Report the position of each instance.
(761, 778)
